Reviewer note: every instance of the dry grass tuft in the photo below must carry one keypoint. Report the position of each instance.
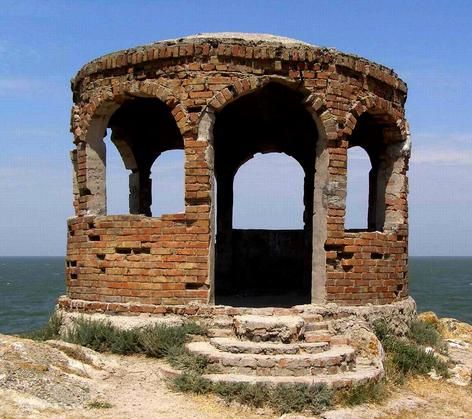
(444, 400)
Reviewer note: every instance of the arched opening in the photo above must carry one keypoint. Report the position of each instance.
(142, 129)
(268, 193)
(357, 193)
(379, 137)
(271, 119)
(168, 183)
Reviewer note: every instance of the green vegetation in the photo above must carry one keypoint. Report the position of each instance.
(403, 357)
(77, 353)
(426, 334)
(192, 382)
(180, 358)
(364, 393)
(99, 405)
(408, 356)
(158, 341)
(287, 398)
(283, 398)
(49, 331)
(102, 336)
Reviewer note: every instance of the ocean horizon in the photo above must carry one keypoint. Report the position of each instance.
(30, 286)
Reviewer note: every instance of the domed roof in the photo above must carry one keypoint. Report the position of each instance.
(264, 46)
(244, 36)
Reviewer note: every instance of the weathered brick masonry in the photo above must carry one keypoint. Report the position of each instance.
(190, 86)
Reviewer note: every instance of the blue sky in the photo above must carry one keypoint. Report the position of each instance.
(44, 43)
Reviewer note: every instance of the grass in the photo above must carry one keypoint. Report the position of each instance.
(99, 405)
(191, 382)
(102, 336)
(49, 331)
(411, 359)
(444, 400)
(180, 358)
(405, 357)
(426, 334)
(157, 341)
(364, 393)
(284, 398)
(76, 353)
(288, 398)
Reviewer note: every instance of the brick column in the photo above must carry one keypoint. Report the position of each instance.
(95, 155)
(140, 192)
(224, 238)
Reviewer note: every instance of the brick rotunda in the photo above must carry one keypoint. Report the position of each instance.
(278, 306)
(222, 98)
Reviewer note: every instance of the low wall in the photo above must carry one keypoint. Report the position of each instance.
(138, 259)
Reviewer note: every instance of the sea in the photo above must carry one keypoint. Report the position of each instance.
(30, 286)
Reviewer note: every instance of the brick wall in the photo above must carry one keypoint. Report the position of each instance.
(132, 258)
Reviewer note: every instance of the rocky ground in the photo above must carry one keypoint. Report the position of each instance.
(55, 379)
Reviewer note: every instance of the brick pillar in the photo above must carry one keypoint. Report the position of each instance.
(140, 192)
(308, 196)
(224, 236)
(95, 155)
(372, 221)
(198, 193)
(325, 205)
(394, 170)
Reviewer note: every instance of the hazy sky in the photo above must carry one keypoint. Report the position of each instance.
(44, 43)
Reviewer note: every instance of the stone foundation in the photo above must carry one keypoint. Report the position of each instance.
(399, 314)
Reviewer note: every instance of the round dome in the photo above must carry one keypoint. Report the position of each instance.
(244, 36)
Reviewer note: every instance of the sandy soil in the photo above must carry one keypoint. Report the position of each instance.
(36, 381)
(59, 380)
(419, 398)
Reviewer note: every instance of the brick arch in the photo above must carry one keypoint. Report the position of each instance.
(89, 123)
(247, 86)
(387, 181)
(376, 105)
(325, 121)
(106, 101)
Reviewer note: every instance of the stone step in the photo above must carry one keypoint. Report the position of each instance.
(234, 345)
(220, 332)
(332, 361)
(326, 336)
(311, 318)
(348, 379)
(315, 326)
(222, 322)
(318, 336)
(284, 329)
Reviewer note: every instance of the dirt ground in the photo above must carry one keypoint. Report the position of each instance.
(58, 380)
(419, 398)
(40, 381)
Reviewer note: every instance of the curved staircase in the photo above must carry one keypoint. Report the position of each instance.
(283, 349)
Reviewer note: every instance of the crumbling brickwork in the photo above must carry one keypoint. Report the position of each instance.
(137, 260)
